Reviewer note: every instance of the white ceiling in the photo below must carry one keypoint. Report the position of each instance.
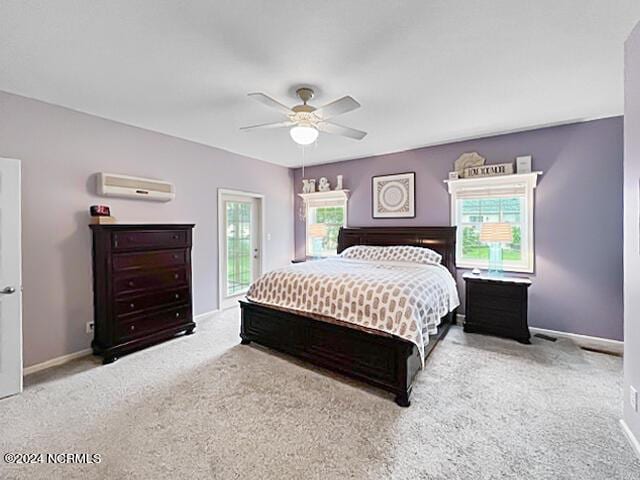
(425, 72)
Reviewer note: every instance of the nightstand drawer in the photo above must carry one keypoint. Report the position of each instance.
(494, 316)
(494, 302)
(493, 289)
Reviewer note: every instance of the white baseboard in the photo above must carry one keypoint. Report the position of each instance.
(604, 344)
(635, 445)
(54, 362)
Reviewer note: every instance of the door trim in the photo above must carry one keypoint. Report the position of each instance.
(20, 337)
(262, 239)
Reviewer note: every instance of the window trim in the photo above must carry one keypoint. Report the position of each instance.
(341, 197)
(530, 182)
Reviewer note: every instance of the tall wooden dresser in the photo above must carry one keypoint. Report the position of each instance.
(141, 286)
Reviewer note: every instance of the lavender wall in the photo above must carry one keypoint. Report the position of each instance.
(60, 150)
(578, 219)
(631, 234)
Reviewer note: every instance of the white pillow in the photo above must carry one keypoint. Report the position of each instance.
(399, 253)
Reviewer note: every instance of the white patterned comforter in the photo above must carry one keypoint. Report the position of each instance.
(403, 299)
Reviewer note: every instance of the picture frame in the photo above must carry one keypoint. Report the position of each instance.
(393, 196)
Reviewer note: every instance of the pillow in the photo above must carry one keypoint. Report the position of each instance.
(400, 253)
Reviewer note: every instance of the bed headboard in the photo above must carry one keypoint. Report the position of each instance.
(440, 239)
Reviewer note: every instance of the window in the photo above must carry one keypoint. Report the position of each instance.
(505, 199)
(325, 213)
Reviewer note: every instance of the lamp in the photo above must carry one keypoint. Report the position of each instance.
(495, 234)
(303, 134)
(317, 230)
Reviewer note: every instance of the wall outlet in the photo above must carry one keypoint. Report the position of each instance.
(89, 327)
(633, 398)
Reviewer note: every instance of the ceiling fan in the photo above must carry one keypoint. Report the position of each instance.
(306, 121)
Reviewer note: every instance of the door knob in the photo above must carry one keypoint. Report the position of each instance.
(8, 290)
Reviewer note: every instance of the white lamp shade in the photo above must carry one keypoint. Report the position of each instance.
(496, 232)
(303, 135)
(317, 230)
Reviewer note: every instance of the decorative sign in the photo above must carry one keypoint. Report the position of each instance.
(523, 164)
(393, 196)
(489, 170)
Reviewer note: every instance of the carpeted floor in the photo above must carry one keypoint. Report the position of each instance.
(206, 407)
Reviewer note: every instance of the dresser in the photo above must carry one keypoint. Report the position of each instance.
(141, 286)
(497, 306)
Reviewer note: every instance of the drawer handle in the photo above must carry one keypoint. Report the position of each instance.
(177, 314)
(175, 256)
(132, 305)
(133, 327)
(131, 283)
(177, 296)
(176, 276)
(175, 237)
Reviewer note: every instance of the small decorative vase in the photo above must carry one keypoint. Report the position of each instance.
(339, 182)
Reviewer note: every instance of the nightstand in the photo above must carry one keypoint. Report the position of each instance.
(497, 305)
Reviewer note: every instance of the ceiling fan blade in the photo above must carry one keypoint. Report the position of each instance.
(335, 129)
(264, 126)
(270, 102)
(337, 107)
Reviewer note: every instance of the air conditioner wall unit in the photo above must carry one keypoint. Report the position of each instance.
(124, 186)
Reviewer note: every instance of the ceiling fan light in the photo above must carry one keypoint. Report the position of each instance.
(303, 135)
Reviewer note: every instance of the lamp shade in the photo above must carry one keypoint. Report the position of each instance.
(317, 230)
(496, 233)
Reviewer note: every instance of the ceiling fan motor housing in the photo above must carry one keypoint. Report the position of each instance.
(305, 94)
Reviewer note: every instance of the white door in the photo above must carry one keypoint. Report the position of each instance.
(240, 255)
(10, 279)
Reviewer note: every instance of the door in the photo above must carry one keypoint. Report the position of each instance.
(240, 256)
(10, 279)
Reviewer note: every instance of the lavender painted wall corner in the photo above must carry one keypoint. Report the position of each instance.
(577, 284)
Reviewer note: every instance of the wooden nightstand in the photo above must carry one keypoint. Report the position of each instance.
(497, 305)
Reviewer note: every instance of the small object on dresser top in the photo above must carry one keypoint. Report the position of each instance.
(497, 305)
(99, 211)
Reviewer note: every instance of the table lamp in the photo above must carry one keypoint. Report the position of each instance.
(496, 234)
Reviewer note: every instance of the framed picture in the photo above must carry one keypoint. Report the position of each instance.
(394, 196)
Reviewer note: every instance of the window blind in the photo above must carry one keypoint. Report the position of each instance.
(511, 190)
(326, 203)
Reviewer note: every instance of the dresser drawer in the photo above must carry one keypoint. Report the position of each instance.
(156, 299)
(150, 323)
(153, 259)
(149, 239)
(128, 284)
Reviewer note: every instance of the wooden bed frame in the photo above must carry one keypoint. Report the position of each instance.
(387, 362)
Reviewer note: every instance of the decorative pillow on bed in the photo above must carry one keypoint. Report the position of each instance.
(400, 253)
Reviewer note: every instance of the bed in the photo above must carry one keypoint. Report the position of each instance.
(351, 342)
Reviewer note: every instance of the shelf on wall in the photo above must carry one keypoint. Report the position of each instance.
(530, 178)
(328, 195)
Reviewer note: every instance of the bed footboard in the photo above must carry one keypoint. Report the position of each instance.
(386, 362)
